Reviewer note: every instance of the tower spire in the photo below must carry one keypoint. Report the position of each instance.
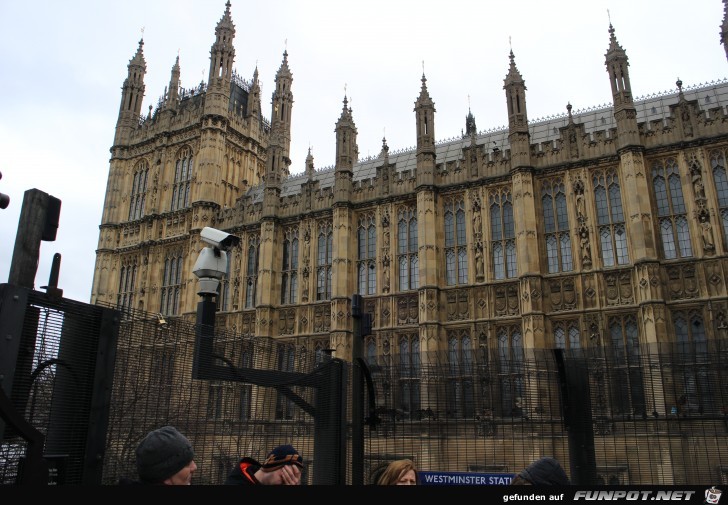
(173, 91)
(518, 134)
(425, 125)
(132, 92)
(625, 113)
(222, 53)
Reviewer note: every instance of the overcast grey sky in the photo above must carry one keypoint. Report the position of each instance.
(64, 62)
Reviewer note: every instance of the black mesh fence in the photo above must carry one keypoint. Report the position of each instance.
(224, 419)
(643, 414)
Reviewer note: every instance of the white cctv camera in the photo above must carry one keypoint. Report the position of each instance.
(212, 265)
(220, 239)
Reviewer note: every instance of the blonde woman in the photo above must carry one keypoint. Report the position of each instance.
(401, 472)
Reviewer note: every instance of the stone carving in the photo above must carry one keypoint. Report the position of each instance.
(584, 240)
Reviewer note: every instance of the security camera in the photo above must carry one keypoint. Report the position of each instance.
(219, 239)
(212, 265)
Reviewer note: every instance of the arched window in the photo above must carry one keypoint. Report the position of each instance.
(610, 218)
(407, 259)
(127, 284)
(289, 276)
(138, 191)
(323, 265)
(502, 234)
(182, 179)
(556, 227)
(460, 391)
(251, 272)
(456, 256)
(366, 265)
(671, 213)
(171, 284)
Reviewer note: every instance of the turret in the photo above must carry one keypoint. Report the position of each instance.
(222, 56)
(347, 154)
(625, 113)
(425, 123)
(518, 135)
(132, 93)
(173, 91)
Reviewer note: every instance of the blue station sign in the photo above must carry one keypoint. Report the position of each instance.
(465, 479)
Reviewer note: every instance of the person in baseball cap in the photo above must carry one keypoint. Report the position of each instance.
(282, 466)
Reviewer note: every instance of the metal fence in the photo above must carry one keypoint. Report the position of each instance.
(651, 414)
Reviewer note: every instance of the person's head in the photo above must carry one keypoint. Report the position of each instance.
(282, 466)
(401, 472)
(165, 456)
(542, 472)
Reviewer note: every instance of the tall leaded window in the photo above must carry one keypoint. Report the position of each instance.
(628, 395)
(251, 271)
(370, 351)
(127, 285)
(289, 278)
(138, 191)
(694, 390)
(321, 349)
(171, 284)
(671, 211)
(323, 265)
(286, 363)
(182, 179)
(245, 391)
(566, 335)
(162, 374)
(366, 265)
(502, 234)
(409, 270)
(223, 289)
(409, 375)
(215, 400)
(556, 227)
(461, 368)
(456, 255)
(610, 219)
(510, 371)
(718, 165)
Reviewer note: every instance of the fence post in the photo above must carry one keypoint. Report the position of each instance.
(357, 400)
(329, 442)
(576, 402)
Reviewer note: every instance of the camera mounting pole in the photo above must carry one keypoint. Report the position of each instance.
(328, 380)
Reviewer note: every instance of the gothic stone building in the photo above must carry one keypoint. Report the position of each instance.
(607, 226)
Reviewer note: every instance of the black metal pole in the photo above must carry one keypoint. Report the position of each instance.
(204, 336)
(357, 398)
(576, 402)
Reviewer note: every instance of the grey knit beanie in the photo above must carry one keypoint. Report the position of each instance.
(545, 472)
(161, 454)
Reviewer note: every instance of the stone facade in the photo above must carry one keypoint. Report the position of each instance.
(585, 229)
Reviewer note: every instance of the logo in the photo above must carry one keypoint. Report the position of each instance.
(712, 496)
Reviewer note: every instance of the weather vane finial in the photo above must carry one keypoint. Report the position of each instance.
(609, 16)
(510, 44)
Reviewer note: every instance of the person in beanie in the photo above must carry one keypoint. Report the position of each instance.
(542, 472)
(164, 457)
(282, 467)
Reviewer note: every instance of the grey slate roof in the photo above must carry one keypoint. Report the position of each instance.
(649, 108)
